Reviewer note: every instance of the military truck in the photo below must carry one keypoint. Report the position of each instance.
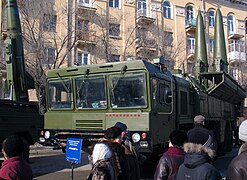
(152, 101)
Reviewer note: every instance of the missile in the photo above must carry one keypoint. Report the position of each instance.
(16, 74)
(219, 58)
(201, 60)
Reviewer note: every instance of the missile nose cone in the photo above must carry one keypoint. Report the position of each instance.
(220, 57)
(201, 61)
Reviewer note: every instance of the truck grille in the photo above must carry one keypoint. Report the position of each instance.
(89, 124)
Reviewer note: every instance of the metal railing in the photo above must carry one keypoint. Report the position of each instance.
(145, 13)
(88, 36)
(190, 22)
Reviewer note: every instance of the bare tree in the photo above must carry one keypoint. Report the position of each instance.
(44, 47)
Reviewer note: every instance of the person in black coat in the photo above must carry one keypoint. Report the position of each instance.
(199, 122)
(171, 160)
(198, 156)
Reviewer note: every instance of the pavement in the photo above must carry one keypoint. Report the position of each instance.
(49, 164)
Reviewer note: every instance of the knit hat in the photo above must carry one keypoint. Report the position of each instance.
(243, 131)
(178, 138)
(121, 126)
(13, 146)
(199, 119)
(202, 138)
(101, 152)
(112, 132)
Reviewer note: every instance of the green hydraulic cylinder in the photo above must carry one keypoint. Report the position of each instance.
(16, 74)
(219, 58)
(201, 60)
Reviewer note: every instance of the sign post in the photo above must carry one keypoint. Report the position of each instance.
(73, 152)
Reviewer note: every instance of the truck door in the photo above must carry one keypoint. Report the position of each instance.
(165, 97)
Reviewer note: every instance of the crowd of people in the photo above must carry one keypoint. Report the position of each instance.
(190, 156)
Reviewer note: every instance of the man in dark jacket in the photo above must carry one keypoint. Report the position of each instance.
(172, 158)
(198, 156)
(14, 167)
(237, 169)
(131, 160)
(199, 122)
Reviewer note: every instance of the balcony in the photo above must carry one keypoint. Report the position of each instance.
(86, 38)
(145, 17)
(190, 54)
(190, 25)
(145, 45)
(236, 52)
(236, 57)
(236, 34)
(85, 9)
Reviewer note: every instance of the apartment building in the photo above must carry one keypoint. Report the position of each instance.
(63, 33)
(120, 30)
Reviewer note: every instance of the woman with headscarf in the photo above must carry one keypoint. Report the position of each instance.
(102, 168)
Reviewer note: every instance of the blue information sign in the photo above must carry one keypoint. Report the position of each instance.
(73, 150)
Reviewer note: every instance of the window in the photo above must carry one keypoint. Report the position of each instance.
(246, 26)
(83, 58)
(83, 1)
(189, 13)
(142, 8)
(128, 90)
(83, 25)
(168, 38)
(236, 46)
(211, 45)
(211, 18)
(190, 45)
(236, 73)
(60, 94)
(49, 23)
(230, 24)
(165, 96)
(183, 104)
(114, 3)
(114, 58)
(91, 92)
(142, 4)
(167, 10)
(49, 55)
(114, 30)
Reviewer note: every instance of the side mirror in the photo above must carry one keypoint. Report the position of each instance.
(42, 102)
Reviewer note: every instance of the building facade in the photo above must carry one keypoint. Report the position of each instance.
(63, 33)
(119, 30)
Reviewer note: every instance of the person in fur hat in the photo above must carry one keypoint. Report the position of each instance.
(237, 170)
(199, 122)
(198, 156)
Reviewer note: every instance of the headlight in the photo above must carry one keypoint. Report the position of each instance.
(47, 134)
(136, 137)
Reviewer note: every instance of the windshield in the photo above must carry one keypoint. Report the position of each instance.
(90, 92)
(60, 94)
(128, 90)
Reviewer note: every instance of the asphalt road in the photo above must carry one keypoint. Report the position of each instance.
(49, 164)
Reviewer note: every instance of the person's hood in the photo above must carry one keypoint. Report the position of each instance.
(243, 148)
(197, 154)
